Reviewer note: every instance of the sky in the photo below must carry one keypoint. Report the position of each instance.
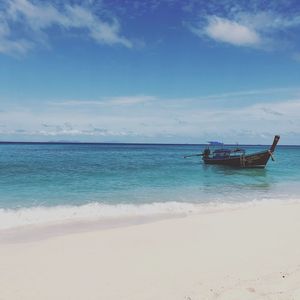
(155, 71)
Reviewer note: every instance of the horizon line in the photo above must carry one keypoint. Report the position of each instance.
(132, 143)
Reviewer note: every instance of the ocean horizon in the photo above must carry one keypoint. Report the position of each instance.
(141, 143)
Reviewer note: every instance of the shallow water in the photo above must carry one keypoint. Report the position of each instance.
(55, 175)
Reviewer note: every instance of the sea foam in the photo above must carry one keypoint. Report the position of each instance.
(41, 215)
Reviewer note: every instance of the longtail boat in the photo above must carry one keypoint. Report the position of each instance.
(237, 157)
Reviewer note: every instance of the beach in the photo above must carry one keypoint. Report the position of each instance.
(249, 252)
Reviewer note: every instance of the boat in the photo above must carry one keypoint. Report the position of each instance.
(237, 156)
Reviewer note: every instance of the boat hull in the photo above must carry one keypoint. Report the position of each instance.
(255, 160)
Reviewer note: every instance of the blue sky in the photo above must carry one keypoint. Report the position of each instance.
(150, 71)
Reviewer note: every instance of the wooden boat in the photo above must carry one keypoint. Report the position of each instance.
(237, 157)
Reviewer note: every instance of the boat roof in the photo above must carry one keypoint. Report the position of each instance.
(215, 143)
(225, 150)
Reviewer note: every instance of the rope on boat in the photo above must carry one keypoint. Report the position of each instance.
(271, 154)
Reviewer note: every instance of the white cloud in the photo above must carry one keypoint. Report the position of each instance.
(107, 102)
(100, 31)
(272, 93)
(38, 18)
(260, 29)
(131, 100)
(231, 32)
(10, 46)
(267, 21)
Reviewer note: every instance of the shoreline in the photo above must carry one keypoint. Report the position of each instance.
(120, 215)
(94, 216)
(250, 253)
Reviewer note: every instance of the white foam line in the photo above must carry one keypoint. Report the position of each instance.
(12, 218)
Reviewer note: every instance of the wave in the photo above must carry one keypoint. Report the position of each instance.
(11, 218)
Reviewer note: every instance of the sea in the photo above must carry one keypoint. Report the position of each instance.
(41, 183)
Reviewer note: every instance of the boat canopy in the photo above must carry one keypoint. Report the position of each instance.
(225, 151)
(215, 143)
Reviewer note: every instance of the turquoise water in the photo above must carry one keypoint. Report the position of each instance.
(59, 175)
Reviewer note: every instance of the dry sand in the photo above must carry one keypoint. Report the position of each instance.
(246, 253)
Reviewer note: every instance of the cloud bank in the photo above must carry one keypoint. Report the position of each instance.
(156, 120)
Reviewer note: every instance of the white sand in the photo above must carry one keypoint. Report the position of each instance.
(250, 253)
